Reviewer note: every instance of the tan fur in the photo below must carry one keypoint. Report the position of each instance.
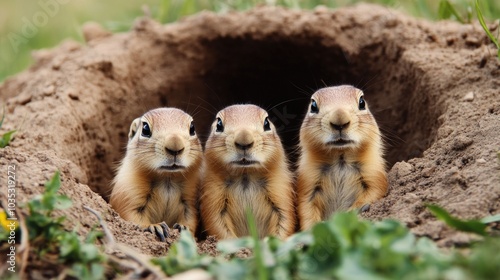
(144, 191)
(334, 177)
(228, 189)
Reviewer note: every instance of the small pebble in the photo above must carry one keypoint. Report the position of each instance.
(403, 168)
(469, 96)
(24, 98)
(461, 142)
(481, 161)
(427, 172)
(49, 90)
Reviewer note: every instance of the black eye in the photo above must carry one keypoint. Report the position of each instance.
(191, 129)
(267, 125)
(219, 126)
(146, 131)
(314, 107)
(362, 103)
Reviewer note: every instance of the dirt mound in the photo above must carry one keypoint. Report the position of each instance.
(433, 87)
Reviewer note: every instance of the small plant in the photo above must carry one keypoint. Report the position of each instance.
(343, 247)
(446, 10)
(7, 137)
(472, 226)
(486, 29)
(48, 236)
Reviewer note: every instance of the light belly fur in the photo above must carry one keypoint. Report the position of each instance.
(253, 197)
(342, 186)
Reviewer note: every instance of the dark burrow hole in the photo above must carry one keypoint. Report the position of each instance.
(280, 73)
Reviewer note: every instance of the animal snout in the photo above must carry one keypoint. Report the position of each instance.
(339, 127)
(174, 146)
(243, 140)
(340, 120)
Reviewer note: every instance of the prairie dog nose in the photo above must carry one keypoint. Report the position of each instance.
(243, 140)
(340, 120)
(339, 127)
(174, 146)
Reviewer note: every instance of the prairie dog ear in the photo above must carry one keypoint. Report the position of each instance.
(133, 128)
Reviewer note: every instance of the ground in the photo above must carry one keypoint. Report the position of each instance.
(433, 88)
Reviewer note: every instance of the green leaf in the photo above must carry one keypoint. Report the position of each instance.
(323, 256)
(62, 202)
(443, 11)
(259, 256)
(186, 246)
(473, 226)
(97, 271)
(491, 219)
(3, 116)
(88, 252)
(446, 9)
(54, 184)
(181, 257)
(87, 272)
(482, 262)
(347, 228)
(485, 27)
(6, 138)
(93, 235)
(291, 243)
(231, 246)
(233, 269)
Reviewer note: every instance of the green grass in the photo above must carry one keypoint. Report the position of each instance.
(493, 38)
(115, 15)
(345, 247)
(6, 137)
(50, 241)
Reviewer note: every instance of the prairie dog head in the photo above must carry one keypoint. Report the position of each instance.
(243, 138)
(338, 118)
(164, 140)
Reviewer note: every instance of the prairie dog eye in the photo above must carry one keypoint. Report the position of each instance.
(361, 103)
(267, 124)
(314, 107)
(219, 126)
(146, 131)
(192, 129)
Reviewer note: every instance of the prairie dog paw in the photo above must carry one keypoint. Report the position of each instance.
(364, 208)
(179, 227)
(160, 229)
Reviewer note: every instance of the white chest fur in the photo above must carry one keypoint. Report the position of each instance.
(250, 192)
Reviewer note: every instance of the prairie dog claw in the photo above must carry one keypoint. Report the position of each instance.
(160, 229)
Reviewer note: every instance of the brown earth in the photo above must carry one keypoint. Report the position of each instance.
(434, 88)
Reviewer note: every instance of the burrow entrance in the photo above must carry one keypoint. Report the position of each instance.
(280, 72)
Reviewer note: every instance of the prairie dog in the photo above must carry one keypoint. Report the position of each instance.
(158, 179)
(341, 165)
(246, 167)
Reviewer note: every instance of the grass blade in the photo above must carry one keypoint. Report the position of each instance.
(3, 117)
(473, 226)
(259, 257)
(443, 10)
(446, 9)
(486, 29)
(5, 140)
(491, 219)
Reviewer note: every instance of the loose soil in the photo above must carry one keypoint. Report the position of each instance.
(434, 89)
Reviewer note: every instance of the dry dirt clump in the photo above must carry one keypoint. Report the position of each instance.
(434, 88)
